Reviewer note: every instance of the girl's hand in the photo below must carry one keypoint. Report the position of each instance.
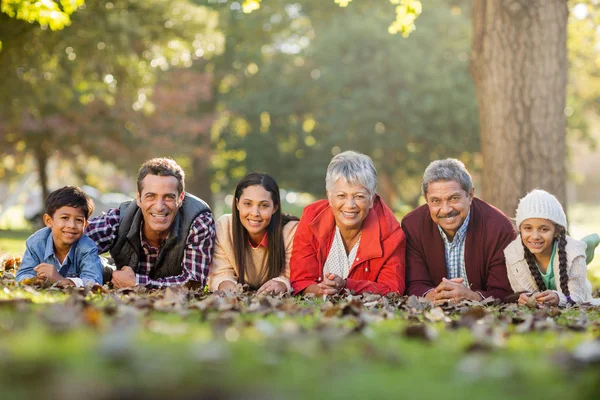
(523, 299)
(547, 297)
(273, 288)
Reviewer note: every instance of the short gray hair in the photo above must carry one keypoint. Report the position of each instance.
(355, 168)
(449, 169)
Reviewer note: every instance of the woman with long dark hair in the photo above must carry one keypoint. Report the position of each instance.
(254, 242)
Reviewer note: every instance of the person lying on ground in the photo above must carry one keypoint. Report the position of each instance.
(543, 261)
(455, 242)
(254, 242)
(352, 239)
(162, 238)
(60, 253)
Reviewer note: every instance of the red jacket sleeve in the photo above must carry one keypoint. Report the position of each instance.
(304, 266)
(391, 274)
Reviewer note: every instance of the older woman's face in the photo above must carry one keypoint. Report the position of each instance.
(350, 204)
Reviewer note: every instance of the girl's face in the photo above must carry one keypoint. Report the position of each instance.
(538, 235)
(256, 208)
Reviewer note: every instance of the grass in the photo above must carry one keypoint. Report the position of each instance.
(13, 241)
(188, 353)
(116, 349)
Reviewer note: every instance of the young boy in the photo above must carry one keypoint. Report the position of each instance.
(60, 252)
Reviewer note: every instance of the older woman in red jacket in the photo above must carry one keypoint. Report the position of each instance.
(351, 240)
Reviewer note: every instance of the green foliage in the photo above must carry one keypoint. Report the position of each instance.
(53, 14)
(87, 89)
(329, 80)
(180, 344)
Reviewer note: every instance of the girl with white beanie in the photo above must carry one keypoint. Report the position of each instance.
(543, 262)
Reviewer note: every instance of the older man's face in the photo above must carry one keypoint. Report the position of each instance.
(448, 205)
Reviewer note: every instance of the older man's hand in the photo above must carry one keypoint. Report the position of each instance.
(123, 278)
(453, 289)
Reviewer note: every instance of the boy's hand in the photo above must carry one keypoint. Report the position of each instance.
(123, 278)
(47, 271)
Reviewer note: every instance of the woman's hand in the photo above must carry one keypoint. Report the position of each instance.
(273, 288)
(547, 297)
(332, 284)
(227, 286)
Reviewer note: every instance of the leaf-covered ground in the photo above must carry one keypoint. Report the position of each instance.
(95, 343)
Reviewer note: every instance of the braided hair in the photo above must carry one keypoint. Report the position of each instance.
(562, 264)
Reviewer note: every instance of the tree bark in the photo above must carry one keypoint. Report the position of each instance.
(41, 158)
(519, 66)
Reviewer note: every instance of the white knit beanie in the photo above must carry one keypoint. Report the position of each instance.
(540, 204)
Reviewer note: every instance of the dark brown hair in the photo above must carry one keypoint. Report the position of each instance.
(161, 167)
(241, 239)
(562, 264)
(69, 196)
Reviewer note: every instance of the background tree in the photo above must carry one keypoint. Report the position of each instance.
(103, 64)
(327, 80)
(519, 66)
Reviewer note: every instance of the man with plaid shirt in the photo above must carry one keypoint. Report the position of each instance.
(455, 243)
(163, 238)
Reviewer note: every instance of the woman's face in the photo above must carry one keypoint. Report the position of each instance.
(350, 204)
(255, 207)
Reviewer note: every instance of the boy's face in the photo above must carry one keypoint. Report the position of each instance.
(67, 225)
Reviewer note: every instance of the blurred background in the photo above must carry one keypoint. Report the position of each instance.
(89, 90)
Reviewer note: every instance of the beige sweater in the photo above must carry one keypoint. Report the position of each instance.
(224, 268)
(521, 279)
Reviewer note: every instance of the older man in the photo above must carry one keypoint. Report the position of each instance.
(455, 242)
(165, 237)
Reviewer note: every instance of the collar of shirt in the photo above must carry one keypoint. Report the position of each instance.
(49, 251)
(461, 234)
(146, 244)
(264, 242)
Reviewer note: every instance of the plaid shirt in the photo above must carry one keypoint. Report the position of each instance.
(455, 252)
(196, 257)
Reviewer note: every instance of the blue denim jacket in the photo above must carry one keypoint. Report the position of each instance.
(82, 261)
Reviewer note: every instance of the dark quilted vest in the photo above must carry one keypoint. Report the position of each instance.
(127, 245)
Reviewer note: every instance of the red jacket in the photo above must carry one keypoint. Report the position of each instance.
(488, 234)
(379, 266)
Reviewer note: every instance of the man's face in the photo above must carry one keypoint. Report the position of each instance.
(159, 202)
(448, 205)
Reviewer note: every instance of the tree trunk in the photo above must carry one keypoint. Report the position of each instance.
(41, 158)
(199, 185)
(519, 66)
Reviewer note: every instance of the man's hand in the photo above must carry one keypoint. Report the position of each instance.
(332, 284)
(453, 289)
(272, 287)
(47, 271)
(123, 278)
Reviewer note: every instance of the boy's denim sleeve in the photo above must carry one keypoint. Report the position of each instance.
(91, 266)
(28, 263)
